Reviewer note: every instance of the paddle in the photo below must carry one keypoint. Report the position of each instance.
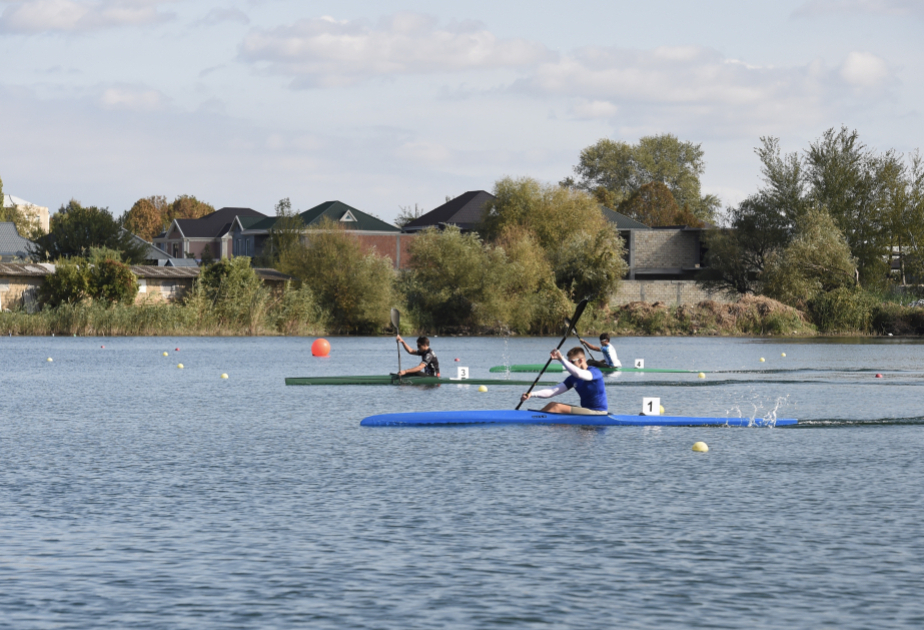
(570, 323)
(578, 335)
(396, 322)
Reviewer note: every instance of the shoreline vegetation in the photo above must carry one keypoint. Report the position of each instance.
(295, 314)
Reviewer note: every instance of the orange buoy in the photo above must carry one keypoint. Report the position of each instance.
(320, 348)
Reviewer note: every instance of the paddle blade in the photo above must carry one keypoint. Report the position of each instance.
(396, 320)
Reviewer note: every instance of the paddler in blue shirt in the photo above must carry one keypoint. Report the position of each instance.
(609, 352)
(429, 364)
(586, 381)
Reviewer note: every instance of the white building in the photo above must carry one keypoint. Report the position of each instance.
(38, 213)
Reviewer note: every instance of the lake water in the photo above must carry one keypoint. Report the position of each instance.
(134, 494)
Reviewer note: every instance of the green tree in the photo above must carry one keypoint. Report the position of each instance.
(76, 229)
(147, 217)
(408, 214)
(817, 261)
(356, 290)
(233, 293)
(655, 206)
(737, 256)
(613, 170)
(69, 284)
(284, 235)
(112, 281)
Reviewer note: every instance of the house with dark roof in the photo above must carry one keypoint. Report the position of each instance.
(464, 212)
(12, 245)
(250, 236)
(192, 238)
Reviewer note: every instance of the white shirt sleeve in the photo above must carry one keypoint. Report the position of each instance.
(574, 370)
(553, 391)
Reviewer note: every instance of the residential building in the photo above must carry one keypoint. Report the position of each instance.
(39, 214)
(464, 212)
(12, 245)
(192, 238)
(373, 234)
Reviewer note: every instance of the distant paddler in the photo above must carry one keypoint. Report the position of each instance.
(429, 364)
(608, 349)
(585, 380)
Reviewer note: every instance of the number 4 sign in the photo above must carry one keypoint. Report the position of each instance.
(651, 406)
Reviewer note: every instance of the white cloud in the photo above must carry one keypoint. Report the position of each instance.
(324, 52)
(694, 87)
(864, 70)
(132, 99)
(67, 16)
(881, 7)
(218, 16)
(424, 152)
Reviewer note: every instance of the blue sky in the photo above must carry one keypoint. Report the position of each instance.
(386, 104)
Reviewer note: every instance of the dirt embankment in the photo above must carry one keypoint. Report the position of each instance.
(750, 315)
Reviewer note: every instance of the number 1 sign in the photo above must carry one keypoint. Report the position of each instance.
(651, 406)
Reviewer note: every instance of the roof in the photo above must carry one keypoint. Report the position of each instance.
(11, 243)
(178, 262)
(622, 221)
(464, 211)
(26, 269)
(9, 201)
(214, 224)
(348, 216)
(141, 271)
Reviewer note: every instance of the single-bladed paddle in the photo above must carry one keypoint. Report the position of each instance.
(570, 327)
(396, 322)
(578, 335)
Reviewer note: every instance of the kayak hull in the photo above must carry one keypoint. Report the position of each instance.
(387, 379)
(511, 416)
(557, 368)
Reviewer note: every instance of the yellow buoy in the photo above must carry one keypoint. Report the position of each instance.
(165, 354)
(482, 388)
(224, 376)
(761, 359)
(700, 447)
(179, 365)
(783, 354)
(662, 410)
(702, 375)
(49, 359)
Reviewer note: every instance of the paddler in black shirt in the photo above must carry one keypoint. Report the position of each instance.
(429, 364)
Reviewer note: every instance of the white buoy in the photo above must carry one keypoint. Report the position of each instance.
(701, 375)
(224, 376)
(179, 365)
(783, 354)
(700, 447)
(482, 388)
(165, 354)
(49, 359)
(762, 359)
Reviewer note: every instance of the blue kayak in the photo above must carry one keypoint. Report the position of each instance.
(510, 416)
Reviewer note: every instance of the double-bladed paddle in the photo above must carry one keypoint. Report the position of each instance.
(578, 335)
(570, 328)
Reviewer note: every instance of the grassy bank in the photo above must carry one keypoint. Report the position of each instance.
(96, 319)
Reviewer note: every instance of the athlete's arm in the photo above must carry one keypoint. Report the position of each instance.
(413, 370)
(561, 388)
(575, 371)
(591, 346)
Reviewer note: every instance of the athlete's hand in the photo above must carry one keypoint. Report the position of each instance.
(525, 397)
(398, 337)
(402, 372)
(556, 354)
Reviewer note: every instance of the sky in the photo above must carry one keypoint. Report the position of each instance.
(385, 104)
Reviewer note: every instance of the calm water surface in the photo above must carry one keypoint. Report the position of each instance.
(137, 495)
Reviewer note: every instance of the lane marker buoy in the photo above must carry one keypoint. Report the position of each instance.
(877, 376)
(700, 447)
(701, 375)
(783, 355)
(320, 348)
(761, 359)
(482, 388)
(224, 376)
(179, 365)
(165, 354)
(49, 359)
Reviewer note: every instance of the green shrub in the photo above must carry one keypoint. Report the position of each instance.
(846, 309)
(69, 284)
(112, 281)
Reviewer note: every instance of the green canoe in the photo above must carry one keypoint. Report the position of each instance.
(557, 368)
(389, 379)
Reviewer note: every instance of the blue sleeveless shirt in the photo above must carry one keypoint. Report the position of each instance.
(592, 393)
